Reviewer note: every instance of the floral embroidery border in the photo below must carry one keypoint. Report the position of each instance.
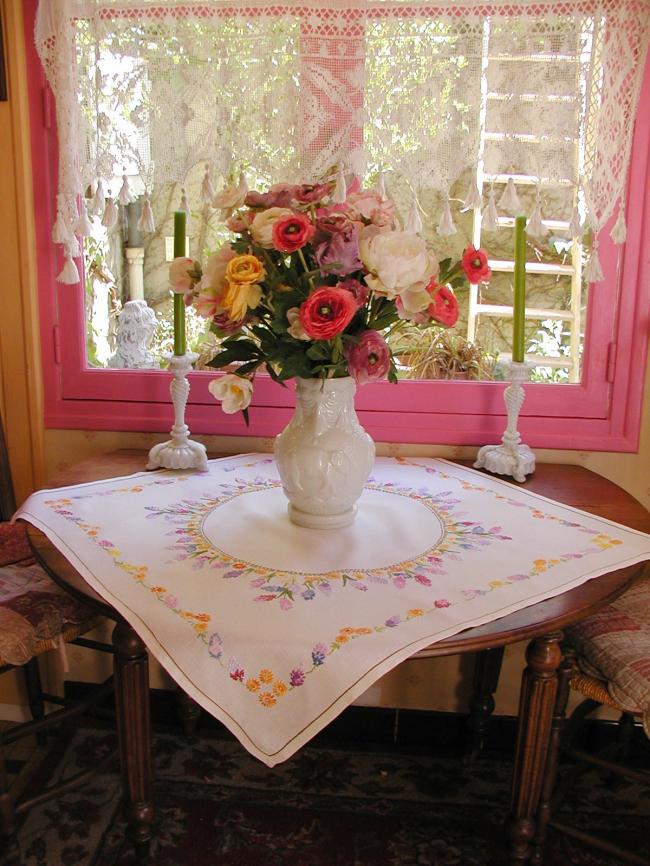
(265, 684)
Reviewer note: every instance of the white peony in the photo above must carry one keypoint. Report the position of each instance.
(234, 392)
(397, 261)
(262, 226)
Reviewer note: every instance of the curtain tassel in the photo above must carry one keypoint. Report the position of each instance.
(446, 225)
(69, 274)
(60, 231)
(473, 198)
(593, 270)
(207, 189)
(490, 217)
(575, 226)
(74, 247)
(110, 214)
(83, 227)
(185, 207)
(535, 227)
(340, 189)
(146, 222)
(509, 201)
(619, 232)
(124, 195)
(99, 200)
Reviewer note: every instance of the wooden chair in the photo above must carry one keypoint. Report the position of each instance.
(36, 616)
(607, 660)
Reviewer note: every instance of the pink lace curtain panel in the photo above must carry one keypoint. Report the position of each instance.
(290, 90)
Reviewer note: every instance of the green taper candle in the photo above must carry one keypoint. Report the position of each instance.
(179, 299)
(519, 300)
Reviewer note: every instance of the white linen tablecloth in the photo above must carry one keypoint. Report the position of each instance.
(274, 628)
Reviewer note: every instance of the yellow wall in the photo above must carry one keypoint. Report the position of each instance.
(36, 452)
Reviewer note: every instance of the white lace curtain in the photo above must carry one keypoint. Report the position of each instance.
(438, 91)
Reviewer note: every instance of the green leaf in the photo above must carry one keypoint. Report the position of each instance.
(320, 351)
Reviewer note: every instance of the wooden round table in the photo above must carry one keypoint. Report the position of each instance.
(540, 623)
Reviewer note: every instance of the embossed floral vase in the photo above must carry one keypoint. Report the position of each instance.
(324, 455)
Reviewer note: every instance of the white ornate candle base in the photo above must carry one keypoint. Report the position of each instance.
(179, 452)
(511, 457)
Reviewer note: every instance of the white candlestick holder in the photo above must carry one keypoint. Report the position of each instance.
(511, 457)
(179, 452)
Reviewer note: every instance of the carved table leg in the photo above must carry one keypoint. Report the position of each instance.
(487, 668)
(550, 774)
(131, 665)
(9, 850)
(536, 705)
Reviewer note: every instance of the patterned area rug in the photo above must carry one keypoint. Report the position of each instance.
(217, 806)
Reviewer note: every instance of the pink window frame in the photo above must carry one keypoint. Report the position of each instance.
(603, 412)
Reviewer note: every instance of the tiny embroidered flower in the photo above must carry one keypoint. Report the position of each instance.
(215, 645)
(363, 631)
(318, 654)
(415, 611)
(265, 675)
(237, 674)
(171, 601)
(200, 627)
(267, 699)
(392, 621)
(341, 638)
(280, 688)
(158, 589)
(347, 630)
(441, 602)
(202, 617)
(253, 685)
(297, 677)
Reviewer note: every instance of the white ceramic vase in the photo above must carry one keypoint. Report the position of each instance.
(324, 455)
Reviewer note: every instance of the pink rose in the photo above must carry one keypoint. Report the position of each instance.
(359, 290)
(179, 275)
(370, 207)
(292, 232)
(308, 193)
(226, 325)
(369, 359)
(333, 222)
(279, 195)
(327, 312)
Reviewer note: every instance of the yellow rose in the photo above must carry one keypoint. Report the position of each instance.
(240, 297)
(245, 269)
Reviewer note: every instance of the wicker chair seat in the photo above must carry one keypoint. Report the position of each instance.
(613, 652)
(35, 614)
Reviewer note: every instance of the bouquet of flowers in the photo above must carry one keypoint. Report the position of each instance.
(316, 281)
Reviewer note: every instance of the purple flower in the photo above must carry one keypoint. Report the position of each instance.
(215, 645)
(340, 253)
(297, 677)
(318, 654)
(392, 621)
(308, 594)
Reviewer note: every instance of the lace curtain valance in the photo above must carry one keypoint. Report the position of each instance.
(441, 93)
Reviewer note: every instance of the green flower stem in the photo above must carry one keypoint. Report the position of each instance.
(307, 270)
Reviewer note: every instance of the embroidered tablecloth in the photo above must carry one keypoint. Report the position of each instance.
(275, 628)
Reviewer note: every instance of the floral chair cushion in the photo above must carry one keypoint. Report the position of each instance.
(614, 645)
(35, 614)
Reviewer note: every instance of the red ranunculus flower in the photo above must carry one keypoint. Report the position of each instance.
(369, 359)
(327, 312)
(292, 232)
(444, 308)
(475, 265)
